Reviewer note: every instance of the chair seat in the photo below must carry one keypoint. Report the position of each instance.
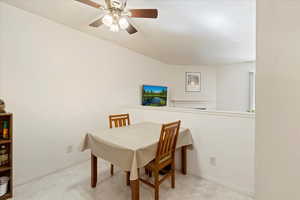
(162, 164)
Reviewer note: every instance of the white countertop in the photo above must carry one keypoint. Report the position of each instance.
(197, 111)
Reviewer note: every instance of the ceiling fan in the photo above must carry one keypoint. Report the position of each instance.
(116, 15)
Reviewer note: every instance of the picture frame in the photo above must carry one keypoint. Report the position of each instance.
(193, 81)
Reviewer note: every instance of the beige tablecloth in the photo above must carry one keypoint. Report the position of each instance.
(130, 147)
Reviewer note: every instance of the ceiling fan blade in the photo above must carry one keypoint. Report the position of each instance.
(90, 3)
(144, 13)
(97, 23)
(124, 4)
(131, 29)
(108, 3)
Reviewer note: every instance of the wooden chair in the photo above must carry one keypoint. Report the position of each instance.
(119, 120)
(116, 121)
(165, 155)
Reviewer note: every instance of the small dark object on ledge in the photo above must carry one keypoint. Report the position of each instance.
(2, 106)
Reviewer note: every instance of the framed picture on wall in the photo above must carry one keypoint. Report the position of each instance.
(193, 82)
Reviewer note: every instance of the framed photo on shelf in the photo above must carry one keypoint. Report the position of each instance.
(193, 82)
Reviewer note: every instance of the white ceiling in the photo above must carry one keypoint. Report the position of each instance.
(187, 32)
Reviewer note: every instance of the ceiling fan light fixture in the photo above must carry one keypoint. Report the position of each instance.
(107, 20)
(116, 15)
(123, 22)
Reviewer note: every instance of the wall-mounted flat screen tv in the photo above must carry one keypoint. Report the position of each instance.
(154, 95)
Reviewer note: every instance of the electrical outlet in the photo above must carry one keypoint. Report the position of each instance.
(213, 161)
(69, 149)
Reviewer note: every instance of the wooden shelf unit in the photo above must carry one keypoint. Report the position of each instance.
(6, 196)
(5, 141)
(7, 170)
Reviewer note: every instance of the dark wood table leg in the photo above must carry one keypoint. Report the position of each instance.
(111, 169)
(183, 159)
(135, 189)
(128, 178)
(93, 171)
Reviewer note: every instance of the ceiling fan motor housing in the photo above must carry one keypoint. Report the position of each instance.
(116, 4)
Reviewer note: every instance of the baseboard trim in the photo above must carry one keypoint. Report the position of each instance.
(234, 188)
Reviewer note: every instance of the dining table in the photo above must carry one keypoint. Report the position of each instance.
(131, 148)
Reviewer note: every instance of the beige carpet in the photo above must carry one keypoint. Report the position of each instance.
(74, 184)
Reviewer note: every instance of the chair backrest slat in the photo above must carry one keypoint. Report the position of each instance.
(119, 120)
(167, 141)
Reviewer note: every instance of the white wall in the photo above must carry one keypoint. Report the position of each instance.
(231, 142)
(278, 97)
(233, 86)
(59, 83)
(208, 81)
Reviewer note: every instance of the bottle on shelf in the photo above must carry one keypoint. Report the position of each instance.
(3, 155)
(5, 134)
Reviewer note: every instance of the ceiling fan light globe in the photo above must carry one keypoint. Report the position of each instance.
(107, 20)
(114, 28)
(123, 22)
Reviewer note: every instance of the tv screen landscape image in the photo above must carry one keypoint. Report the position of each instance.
(154, 95)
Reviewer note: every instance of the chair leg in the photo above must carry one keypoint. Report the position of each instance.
(146, 171)
(156, 176)
(173, 176)
(111, 169)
